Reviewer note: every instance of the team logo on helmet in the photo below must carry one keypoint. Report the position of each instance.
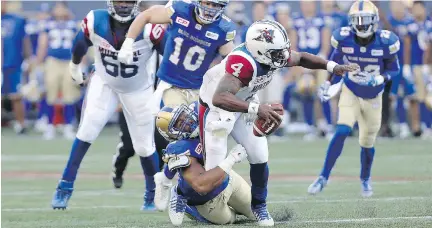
(266, 35)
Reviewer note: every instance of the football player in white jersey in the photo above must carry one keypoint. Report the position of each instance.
(229, 90)
(113, 83)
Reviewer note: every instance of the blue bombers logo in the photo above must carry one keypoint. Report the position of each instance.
(266, 35)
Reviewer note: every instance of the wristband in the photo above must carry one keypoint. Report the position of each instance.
(331, 65)
(227, 164)
(253, 108)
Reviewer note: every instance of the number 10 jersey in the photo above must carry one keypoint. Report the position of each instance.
(122, 78)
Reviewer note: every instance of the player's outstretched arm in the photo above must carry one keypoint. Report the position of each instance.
(203, 181)
(80, 46)
(157, 14)
(313, 62)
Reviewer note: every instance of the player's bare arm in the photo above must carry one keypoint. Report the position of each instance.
(225, 99)
(313, 62)
(157, 14)
(200, 180)
(42, 48)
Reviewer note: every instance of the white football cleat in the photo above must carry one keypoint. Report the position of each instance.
(41, 124)
(262, 215)
(162, 191)
(317, 186)
(427, 134)
(50, 132)
(176, 207)
(366, 188)
(404, 131)
(68, 132)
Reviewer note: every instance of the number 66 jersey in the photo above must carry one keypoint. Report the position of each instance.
(98, 27)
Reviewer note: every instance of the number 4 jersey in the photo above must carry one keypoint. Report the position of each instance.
(191, 47)
(241, 64)
(123, 78)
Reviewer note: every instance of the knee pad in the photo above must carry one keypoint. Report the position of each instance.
(89, 130)
(368, 140)
(343, 130)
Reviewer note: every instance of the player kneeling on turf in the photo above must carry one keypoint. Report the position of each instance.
(375, 51)
(214, 196)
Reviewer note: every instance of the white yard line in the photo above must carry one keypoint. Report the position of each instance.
(359, 220)
(388, 199)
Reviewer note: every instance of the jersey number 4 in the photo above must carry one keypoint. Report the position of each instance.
(112, 67)
(187, 62)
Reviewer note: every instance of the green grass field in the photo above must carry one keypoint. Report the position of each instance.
(402, 181)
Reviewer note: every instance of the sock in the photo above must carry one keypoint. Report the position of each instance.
(259, 174)
(169, 174)
(335, 149)
(308, 110)
(79, 149)
(400, 110)
(327, 112)
(150, 166)
(42, 108)
(50, 113)
(69, 113)
(425, 115)
(366, 159)
(287, 97)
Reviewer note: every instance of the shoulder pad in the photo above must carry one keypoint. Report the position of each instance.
(391, 40)
(87, 24)
(181, 6)
(339, 35)
(228, 27)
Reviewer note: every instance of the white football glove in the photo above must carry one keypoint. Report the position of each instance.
(76, 72)
(323, 91)
(125, 54)
(238, 153)
(407, 73)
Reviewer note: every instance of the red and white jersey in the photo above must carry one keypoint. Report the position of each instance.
(241, 64)
(120, 77)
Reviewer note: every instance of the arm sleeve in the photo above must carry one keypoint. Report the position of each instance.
(82, 41)
(391, 67)
(240, 67)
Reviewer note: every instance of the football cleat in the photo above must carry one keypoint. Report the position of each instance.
(262, 215)
(62, 195)
(317, 186)
(50, 132)
(176, 207)
(148, 202)
(117, 181)
(162, 191)
(193, 214)
(366, 188)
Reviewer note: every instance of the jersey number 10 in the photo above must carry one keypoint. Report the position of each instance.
(187, 62)
(112, 67)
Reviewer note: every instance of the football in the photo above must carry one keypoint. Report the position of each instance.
(263, 128)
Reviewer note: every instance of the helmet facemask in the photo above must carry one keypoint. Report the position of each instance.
(364, 25)
(184, 124)
(278, 58)
(122, 11)
(207, 14)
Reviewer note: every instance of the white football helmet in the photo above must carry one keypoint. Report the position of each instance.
(268, 43)
(122, 11)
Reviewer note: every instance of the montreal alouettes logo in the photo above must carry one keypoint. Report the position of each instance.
(266, 35)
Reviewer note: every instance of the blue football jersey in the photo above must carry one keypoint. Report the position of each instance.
(193, 148)
(374, 57)
(308, 33)
(191, 47)
(32, 29)
(419, 38)
(399, 27)
(13, 34)
(60, 37)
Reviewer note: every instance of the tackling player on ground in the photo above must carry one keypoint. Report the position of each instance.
(375, 51)
(214, 196)
(229, 90)
(196, 34)
(113, 82)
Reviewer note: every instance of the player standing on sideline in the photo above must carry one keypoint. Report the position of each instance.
(310, 34)
(113, 82)
(54, 43)
(197, 33)
(16, 47)
(214, 196)
(399, 20)
(414, 55)
(375, 51)
(229, 90)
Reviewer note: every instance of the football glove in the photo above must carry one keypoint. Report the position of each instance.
(407, 73)
(77, 73)
(125, 54)
(323, 91)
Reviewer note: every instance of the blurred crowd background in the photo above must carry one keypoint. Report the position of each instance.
(26, 108)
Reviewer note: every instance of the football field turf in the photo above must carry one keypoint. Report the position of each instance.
(402, 181)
